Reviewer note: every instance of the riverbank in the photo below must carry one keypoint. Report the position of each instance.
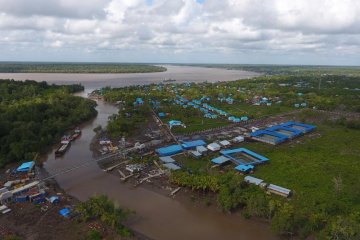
(43, 221)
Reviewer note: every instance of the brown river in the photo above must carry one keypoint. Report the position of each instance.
(157, 216)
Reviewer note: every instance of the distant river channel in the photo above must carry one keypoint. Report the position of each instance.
(157, 216)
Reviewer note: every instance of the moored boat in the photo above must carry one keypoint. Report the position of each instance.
(62, 149)
(76, 134)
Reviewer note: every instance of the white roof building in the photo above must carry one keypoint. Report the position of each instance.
(225, 143)
(214, 147)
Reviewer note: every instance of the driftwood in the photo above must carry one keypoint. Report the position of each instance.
(115, 166)
(175, 191)
(149, 177)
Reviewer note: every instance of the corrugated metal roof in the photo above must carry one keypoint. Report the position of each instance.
(196, 153)
(169, 150)
(214, 146)
(220, 160)
(193, 144)
(201, 149)
(237, 150)
(167, 159)
(244, 168)
(253, 180)
(307, 127)
(225, 143)
(23, 188)
(26, 166)
(279, 189)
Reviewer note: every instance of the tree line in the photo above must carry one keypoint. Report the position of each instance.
(34, 114)
(78, 68)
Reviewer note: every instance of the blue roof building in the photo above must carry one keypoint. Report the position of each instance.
(244, 168)
(269, 137)
(173, 123)
(65, 212)
(220, 160)
(26, 167)
(244, 118)
(169, 150)
(305, 128)
(193, 144)
(243, 156)
(138, 102)
(244, 159)
(290, 132)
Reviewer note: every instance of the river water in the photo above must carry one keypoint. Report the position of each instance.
(157, 216)
(92, 81)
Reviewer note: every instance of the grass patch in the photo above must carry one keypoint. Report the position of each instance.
(310, 167)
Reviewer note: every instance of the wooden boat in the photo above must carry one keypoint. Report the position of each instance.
(62, 149)
(76, 134)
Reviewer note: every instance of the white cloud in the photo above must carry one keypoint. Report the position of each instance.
(184, 27)
(57, 44)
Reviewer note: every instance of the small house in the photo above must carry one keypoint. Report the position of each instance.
(244, 118)
(225, 143)
(54, 199)
(138, 102)
(202, 150)
(214, 147)
(193, 144)
(26, 167)
(244, 168)
(253, 180)
(279, 190)
(167, 159)
(195, 154)
(238, 139)
(220, 160)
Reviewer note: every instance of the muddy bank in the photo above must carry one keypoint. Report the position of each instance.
(42, 222)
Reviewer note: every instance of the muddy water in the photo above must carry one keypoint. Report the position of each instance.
(179, 73)
(157, 216)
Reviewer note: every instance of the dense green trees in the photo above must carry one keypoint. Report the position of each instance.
(77, 68)
(127, 120)
(196, 182)
(100, 207)
(33, 115)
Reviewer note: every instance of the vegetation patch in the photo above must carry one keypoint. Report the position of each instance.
(33, 115)
(100, 207)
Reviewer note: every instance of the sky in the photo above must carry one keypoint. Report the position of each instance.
(320, 32)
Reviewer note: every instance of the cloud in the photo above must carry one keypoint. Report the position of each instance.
(182, 27)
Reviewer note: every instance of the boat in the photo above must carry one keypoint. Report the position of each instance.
(76, 134)
(66, 139)
(62, 149)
